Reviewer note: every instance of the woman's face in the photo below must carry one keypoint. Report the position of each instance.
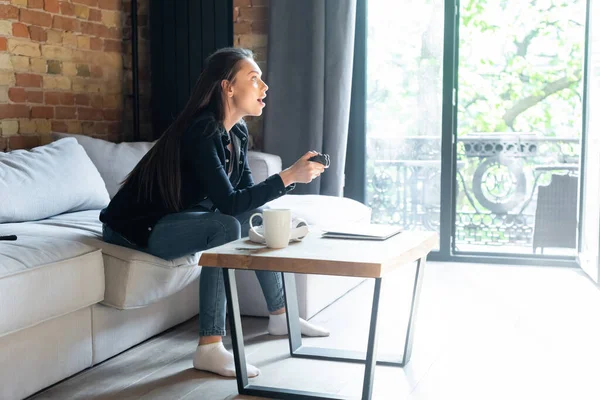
(248, 90)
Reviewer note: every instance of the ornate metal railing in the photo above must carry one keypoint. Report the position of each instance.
(497, 179)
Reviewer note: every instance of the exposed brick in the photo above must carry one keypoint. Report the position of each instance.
(7, 78)
(82, 99)
(70, 68)
(66, 24)
(260, 27)
(74, 126)
(111, 18)
(8, 12)
(83, 70)
(57, 82)
(27, 126)
(242, 3)
(5, 61)
(69, 39)
(3, 44)
(57, 52)
(254, 13)
(19, 63)
(20, 30)
(35, 96)
(35, 17)
(97, 71)
(67, 99)
(23, 142)
(109, 4)
(38, 34)
(10, 128)
(35, 4)
(19, 3)
(28, 80)
(113, 45)
(23, 48)
(3, 94)
(43, 125)
(39, 66)
(260, 3)
(42, 112)
(111, 101)
(95, 15)
(112, 114)
(3, 142)
(5, 28)
(89, 114)
(82, 12)
(252, 41)
(96, 43)
(54, 67)
(59, 126)
(54, 36)
(17, 95)
(14, 111)
(83, 42)
(241, 28)
(67, 8)
(106, 32)
(65, 113)
(51, 6)
(52, 98)
(91, 3)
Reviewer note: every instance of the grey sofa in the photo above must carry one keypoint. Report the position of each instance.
(69, 301)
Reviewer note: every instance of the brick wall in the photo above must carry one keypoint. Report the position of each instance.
(250, 30)
(65, 66)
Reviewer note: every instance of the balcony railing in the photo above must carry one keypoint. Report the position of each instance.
(497, 178)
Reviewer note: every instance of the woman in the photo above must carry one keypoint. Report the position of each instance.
(194, 190)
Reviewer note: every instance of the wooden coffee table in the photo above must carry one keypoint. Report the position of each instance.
(317, 255)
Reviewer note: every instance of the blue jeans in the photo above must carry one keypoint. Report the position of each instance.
(188, 232)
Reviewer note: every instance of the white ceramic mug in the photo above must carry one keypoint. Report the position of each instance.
(277, 225)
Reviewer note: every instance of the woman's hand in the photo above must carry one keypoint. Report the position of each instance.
(303, 171)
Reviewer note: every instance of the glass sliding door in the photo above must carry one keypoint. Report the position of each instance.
(519, 123)
(405, 41)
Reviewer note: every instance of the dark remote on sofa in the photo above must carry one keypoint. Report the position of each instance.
(9, 237)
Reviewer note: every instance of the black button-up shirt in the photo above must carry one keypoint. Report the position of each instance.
(205, 161)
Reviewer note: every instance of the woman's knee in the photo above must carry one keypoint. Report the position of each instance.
(229, 226)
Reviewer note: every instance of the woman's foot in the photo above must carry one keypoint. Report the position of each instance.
(214, 357)
(278, 326)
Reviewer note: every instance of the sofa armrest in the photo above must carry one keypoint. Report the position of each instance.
(263, 165)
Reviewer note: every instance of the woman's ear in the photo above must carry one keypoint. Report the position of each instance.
(227, 88)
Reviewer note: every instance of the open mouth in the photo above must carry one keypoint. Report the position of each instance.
(261, 101)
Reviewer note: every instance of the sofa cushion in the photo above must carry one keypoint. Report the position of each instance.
(43, 276)
(48, 180)
(133, 278)
(113, 160)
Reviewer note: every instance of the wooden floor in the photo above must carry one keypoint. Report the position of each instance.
(484, 332)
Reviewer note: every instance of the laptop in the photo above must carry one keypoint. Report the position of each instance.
(362, 231)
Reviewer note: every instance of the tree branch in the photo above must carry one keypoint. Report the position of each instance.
(524, 104)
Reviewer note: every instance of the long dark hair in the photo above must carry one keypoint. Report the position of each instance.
(161, 165)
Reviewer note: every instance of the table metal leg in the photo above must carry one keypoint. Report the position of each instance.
(291, 306)
(235, 325)
(410, 330)
(370, 359)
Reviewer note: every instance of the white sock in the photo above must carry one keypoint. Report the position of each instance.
(214, 357)
(278, 326)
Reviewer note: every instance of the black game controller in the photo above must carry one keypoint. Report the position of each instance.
(321, 158)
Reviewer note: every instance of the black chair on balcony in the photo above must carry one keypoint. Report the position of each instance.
(556, 214)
